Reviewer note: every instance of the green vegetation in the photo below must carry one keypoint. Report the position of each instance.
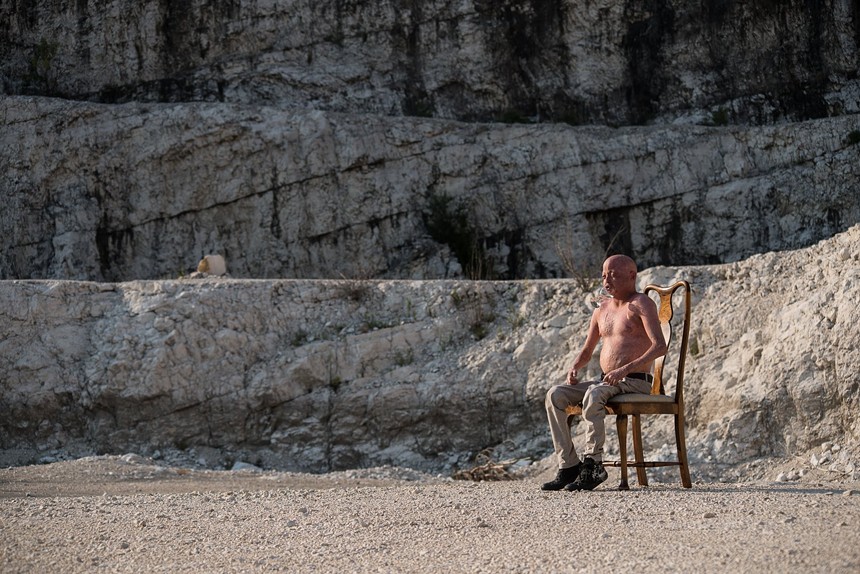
(449, 224)
(456, 298)
(472, 305)
(694, 346)
(41, 76)
(517, 320)
(372, 324)
(354, 290)
(299, 338)
(720, 117)
(404, 358)
(514, 117)
(479, 330)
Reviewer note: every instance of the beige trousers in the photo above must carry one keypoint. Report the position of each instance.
(593, 396)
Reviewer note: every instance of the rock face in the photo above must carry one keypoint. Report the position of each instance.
(419, 140)
(141, 191)
(597, 62)
(322, 375)
(323, 139)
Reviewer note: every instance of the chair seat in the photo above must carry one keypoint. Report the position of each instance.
(639, 398)
(635, 404)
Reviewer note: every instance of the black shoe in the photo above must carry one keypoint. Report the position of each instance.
(591, 475)
(564, 477)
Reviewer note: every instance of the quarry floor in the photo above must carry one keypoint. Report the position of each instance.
(108, 514)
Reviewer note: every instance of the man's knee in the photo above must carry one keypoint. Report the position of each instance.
(596, 397)
(549, 400)
(591, 393)
(557, 397)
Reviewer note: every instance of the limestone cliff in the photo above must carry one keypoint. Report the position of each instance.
(320, 375)
(142, 191)
(341, 140)
(324, 139)
(601, 61)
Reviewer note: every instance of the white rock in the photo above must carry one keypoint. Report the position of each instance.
(132, 458)
(305, 237)
(213, 265)
(250, 379)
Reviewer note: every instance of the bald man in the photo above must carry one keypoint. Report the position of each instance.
(628, 325)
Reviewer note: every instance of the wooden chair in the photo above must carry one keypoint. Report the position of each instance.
(657, 403)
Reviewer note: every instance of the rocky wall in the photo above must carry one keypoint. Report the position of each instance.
(143, 191)
(600, 61)
(322, 375)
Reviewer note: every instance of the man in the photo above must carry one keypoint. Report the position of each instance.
(628, 325)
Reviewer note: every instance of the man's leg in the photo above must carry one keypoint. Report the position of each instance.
(558, 398)
(594, 413)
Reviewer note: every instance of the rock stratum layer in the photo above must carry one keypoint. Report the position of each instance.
(325, 375)
(323, 139)
(142, 191)
(597, 62)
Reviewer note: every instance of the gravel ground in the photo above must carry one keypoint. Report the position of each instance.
(121, 514)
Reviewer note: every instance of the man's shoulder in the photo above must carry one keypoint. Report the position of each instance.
(643, 301)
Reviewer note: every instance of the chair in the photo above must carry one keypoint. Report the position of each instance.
(657, 403)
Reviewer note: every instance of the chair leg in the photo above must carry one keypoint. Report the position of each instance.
(638, 451)
(621, 425)
(682, 451)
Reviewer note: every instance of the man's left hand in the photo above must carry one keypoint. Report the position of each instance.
(614, 377)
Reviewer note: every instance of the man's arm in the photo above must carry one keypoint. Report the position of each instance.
(588, 347)
(644, 308)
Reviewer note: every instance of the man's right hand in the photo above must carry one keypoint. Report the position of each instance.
(571, 377)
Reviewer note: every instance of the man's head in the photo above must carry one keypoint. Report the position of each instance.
(619, 276)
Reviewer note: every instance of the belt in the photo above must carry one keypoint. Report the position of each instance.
(641, 376)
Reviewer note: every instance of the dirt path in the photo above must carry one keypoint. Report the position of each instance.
(108, 515)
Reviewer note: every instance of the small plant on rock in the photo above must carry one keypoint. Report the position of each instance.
(720, 117)
(42, 77)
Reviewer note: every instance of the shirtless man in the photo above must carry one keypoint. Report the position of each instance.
(627, 323)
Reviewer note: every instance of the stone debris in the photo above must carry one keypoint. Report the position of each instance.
(791, 475)
(487, 471)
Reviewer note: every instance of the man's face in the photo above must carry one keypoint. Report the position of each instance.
(616, 276)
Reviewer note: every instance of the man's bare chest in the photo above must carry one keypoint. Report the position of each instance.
(619, 321)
